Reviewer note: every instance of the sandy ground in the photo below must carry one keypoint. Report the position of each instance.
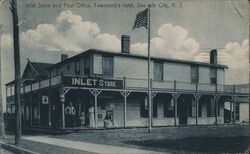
(191, 139)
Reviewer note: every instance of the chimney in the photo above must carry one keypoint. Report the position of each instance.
(64, 57)
(125, 44)
(213, 56)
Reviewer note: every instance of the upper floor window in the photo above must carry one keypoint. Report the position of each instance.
(58, 71)
(77, 66)
(87, 65)
(107, 66)
(213, 75)
(68, 67)
(158, 71)
(194, 74)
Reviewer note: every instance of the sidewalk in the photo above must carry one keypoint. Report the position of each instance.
(90, 147)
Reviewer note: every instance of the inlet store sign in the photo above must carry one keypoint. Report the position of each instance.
(92, 82)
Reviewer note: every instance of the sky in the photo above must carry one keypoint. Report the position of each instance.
(187, 31)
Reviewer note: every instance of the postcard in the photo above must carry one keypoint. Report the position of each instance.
(124, 76)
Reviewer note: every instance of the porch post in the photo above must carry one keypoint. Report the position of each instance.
(152, 108)
(233, 103)
(31, 111)
(63, 91)
(175, 96)
(175, 110)
(95, 111)
(231, 111)
(197, 97)
(49, 114)
(39, 107)
(49, 94)
(63, 116)
(125, 95)
(95, 93)
(216, 99)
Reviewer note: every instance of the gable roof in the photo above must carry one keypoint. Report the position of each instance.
(37, 67)
(40, 68)
(91, 51)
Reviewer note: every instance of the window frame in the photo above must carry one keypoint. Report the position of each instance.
(155, 109)
(161, 64)
(104, 68)
(87, 70)
(144, 108)
(197, 76)
(213, 79)
(192, 112)
(211, 108)
(237, 111)
(168, 109)
(77, 65)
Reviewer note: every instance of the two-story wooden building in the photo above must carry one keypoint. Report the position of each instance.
(99, 85)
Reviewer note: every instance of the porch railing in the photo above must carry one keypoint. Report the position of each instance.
(142, 84)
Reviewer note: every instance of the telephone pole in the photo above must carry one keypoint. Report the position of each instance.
(17, 71)
(1, 101)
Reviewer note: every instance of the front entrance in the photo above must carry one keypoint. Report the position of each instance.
(182, 108)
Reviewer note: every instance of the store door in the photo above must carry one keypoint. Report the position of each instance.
(182, 111)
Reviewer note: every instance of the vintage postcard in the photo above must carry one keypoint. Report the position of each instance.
(124, 76)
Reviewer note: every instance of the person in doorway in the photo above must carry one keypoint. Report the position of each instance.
(70, 110)
(82, 119)
(108, 120)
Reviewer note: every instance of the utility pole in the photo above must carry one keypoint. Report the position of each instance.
(149, 79)
(17, 70)
(1, 102)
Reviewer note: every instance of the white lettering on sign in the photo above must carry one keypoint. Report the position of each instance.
(93, 82)
(101, 83)
(88, 82)
(109, 83)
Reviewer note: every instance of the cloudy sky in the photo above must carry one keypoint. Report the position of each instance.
(188, 31)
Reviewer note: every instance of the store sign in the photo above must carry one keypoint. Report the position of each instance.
(92, 82)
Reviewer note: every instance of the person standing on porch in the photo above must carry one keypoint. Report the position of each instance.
(70, 110)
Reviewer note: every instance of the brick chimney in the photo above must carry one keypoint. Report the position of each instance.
(64, 57)
(125, 44)
(213, 56)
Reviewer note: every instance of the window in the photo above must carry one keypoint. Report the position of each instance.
(211, 108)
(237, 111)
(87, 66)
(107, 66)
(192, 108)
(154, 109)
(144, 108)
(213, 75)
(58, 70)
(68, 67)
(158, 71)
(200, 109)
(194, 74)
(77, 66)
(169, 108)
